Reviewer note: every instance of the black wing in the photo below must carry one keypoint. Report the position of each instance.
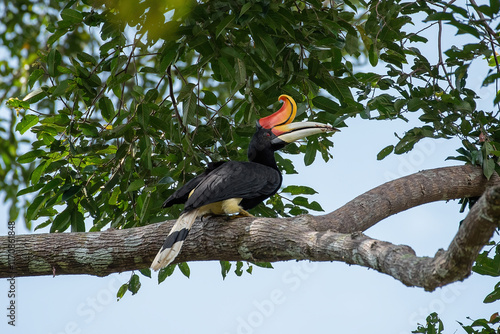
(248, 180)
(181, 195)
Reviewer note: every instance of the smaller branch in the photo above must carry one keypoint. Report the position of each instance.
(440, 54)
(491, 34)
(446, 267)
(474, 232)
(172, 96)
(180, 75)
(440, 50)
(488, 29)
(403, 42)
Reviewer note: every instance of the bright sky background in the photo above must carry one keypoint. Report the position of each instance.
(295, 297)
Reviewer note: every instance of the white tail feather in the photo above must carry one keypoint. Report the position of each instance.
(172, 247)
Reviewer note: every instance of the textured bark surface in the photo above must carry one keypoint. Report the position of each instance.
(427, 186)
(333, 237)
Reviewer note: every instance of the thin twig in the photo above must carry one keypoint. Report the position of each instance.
(440, 54)
(172, 96)
(491, 33)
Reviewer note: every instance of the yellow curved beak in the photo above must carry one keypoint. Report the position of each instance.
(285, 115)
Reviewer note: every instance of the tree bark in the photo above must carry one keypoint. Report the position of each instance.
(336, 236)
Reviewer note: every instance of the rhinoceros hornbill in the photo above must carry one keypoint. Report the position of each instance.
(233, 187)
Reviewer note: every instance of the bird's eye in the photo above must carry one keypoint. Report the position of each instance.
(268, 134)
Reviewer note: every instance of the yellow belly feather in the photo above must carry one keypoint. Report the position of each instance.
(226, 207)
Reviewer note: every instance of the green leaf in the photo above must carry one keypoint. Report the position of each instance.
(241, 72)
(113, 199)
(440, 16)
(135, 185)
(77, 221)
(310, 155)
(30, 156)
(35, 96)
(86, 58)
(42, 225)
(326, 104)
(239, 271)
(28, 190)
(121, 291)
(189, 107)
(385, 152)
(146, 272)
(269, 45)
(61, 222)
(415, 104)
(107, 109)
(61, 88)
(143, 113)
(165, 272)
(209, 98)
(117, 132)
(34, 76)
(72, 191)
(488, 266)
(53, 60)
(493, 296)
(225, 266)
(226, 70)
(89, 130)
(27, 122)
(495, 6)
(263, 264)
(145, 207)
(15, 103)
(35, 206)
(55, 36)
(465, 28)
(488, 167)
(184, 267)
(151, 95)
(302, 201)
(38, 171)
(71, 16)
(223, 25)
(434, 325)
(245, 8)
(134, 284)
(373, 55)
(166, 180)
(496, 100)
(298, 190)
(336, 87)
(168, 55)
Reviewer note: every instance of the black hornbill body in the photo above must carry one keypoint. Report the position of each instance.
(233, 187)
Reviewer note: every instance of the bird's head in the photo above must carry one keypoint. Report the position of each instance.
(278, 129)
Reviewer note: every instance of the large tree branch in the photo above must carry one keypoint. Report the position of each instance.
(333, 237)
(440, 184)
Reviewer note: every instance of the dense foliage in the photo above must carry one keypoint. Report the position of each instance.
(113, 103)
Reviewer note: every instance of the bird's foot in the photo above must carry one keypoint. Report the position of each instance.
(241, 214)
